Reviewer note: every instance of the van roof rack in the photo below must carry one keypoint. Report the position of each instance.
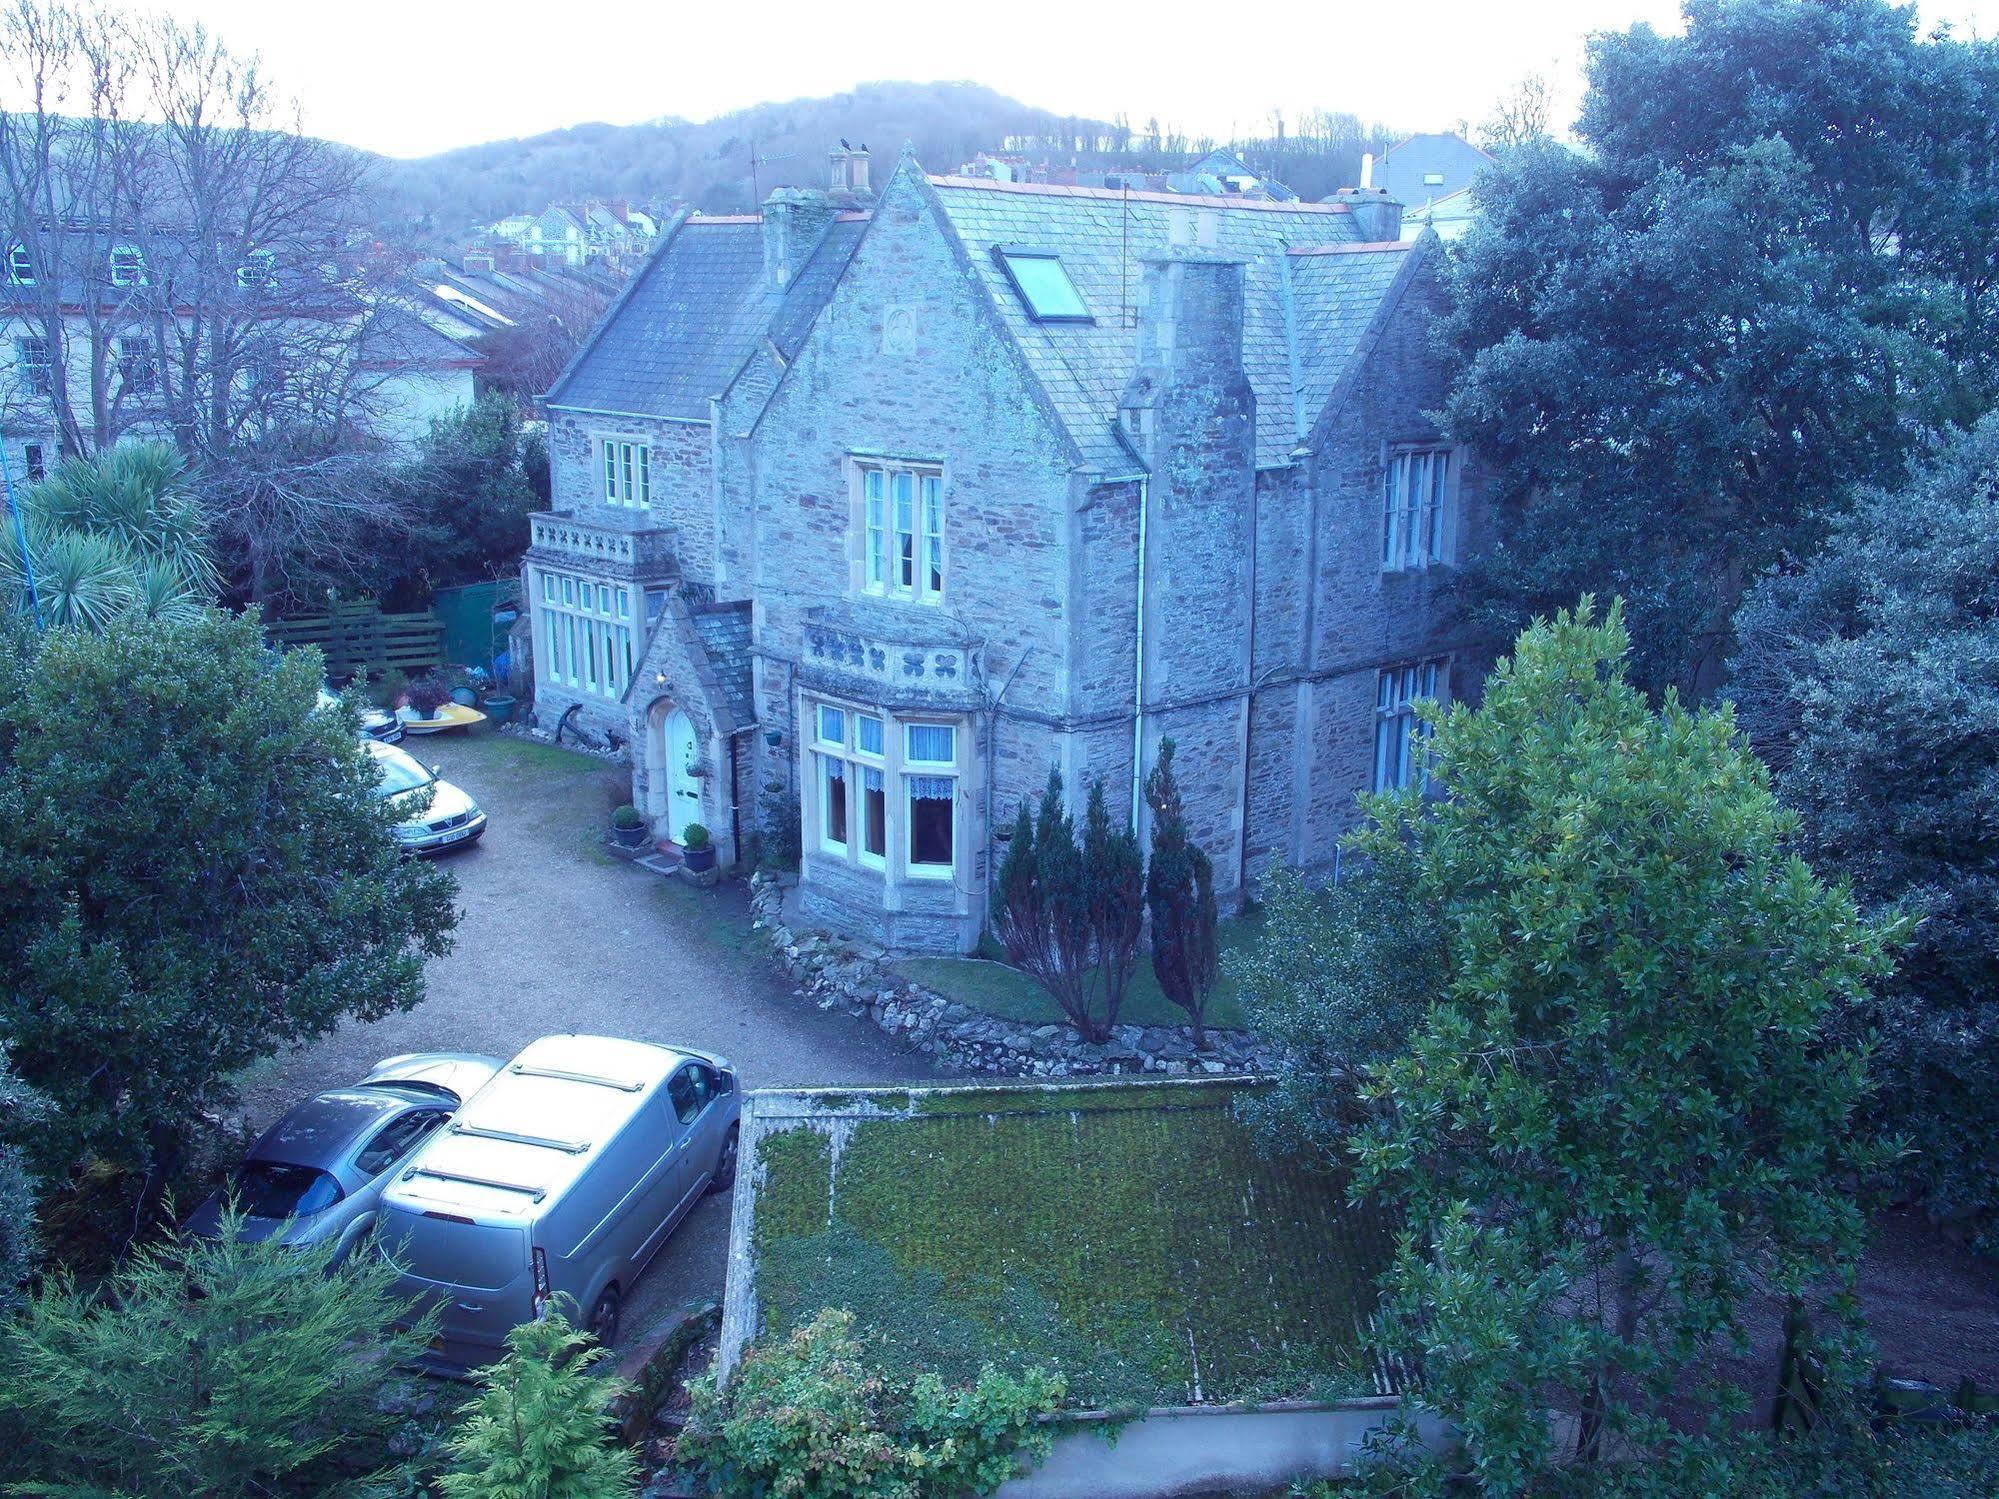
(528, 1069)
(513, 1137)
(533, 1194)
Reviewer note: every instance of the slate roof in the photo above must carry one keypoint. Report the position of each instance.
(1104, 237)
(1336, 294)
(725, 635)
(1403, 167)
(694, 313)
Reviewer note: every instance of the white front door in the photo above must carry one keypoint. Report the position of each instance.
(683, 787)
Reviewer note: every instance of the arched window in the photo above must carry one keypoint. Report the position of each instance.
(20, 266)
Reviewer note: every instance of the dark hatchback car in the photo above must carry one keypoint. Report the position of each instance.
(316, 1176)
(376, 723)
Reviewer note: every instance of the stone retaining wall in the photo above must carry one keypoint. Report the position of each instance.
(864, 981)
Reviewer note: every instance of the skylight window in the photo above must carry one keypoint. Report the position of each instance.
(1044, 286)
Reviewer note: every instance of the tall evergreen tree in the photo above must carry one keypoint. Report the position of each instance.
(1043, 909)
(1114, 875)
(1180, 893)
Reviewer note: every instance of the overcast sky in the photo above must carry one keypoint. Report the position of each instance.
(409, 77)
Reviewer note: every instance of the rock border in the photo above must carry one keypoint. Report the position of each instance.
(862, 980)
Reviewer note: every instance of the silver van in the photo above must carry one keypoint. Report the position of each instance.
(564, 1174)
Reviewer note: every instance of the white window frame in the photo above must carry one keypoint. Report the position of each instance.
(38, 371)
(1398, 732)
(128, 265)
(1419, 490)
(586, 639)
(925, 770)
(625, 464)
(138, 354)
(901, 526)
(871, 751)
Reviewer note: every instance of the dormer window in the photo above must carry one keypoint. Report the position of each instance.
(20, 266)
(128, 266)
(260, 269)
(1043, 285)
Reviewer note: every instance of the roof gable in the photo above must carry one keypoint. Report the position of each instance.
(693, 314)
(1104, 237)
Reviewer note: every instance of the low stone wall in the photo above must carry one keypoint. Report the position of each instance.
(864, 982)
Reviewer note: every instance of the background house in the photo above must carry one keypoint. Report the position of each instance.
(1431, 176)
(895, 505)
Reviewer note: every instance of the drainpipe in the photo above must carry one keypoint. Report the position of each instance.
(1138, 668)
(992, 725)
(736, 795)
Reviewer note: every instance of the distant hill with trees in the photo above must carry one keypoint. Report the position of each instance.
(709, 163)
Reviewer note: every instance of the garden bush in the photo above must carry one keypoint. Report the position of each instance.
(812, 1416)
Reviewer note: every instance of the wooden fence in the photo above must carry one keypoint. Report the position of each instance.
(360, 637)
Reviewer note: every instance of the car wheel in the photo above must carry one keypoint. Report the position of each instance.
(603, 1323)
(725, 1165)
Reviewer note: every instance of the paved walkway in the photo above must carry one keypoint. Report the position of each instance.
(559, 936)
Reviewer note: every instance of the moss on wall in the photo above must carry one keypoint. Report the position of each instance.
(1137, 1237)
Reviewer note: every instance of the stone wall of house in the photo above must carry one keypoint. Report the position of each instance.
(679, 474)
(860, 978)
(908, 363)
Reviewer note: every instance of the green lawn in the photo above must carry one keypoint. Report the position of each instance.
(989, 986)
(1136, 1237)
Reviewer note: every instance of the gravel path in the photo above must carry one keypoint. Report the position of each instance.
(557, 935)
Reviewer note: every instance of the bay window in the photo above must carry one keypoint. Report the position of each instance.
(586, 634)
(882, 785)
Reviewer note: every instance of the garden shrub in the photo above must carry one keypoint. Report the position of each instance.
(210, 1367)
(542, 1426)
(811, 1417)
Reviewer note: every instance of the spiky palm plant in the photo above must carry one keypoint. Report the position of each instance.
(110, 533)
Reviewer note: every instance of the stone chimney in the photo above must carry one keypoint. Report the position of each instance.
(857, 171)
(847, 176)
(839, 175)
(1190, 371)
(793, 220)
(1377, 215)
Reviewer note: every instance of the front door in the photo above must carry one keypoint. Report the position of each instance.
(683, 787)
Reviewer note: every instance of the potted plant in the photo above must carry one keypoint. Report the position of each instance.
(697, 849)
(628, 827)
(427, 695)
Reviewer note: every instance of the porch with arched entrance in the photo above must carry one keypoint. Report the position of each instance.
(674, 770)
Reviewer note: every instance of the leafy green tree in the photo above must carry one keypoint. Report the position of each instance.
(1114, 879)
(812, 1417)
(466, 498)
(209, 1367)
(1336, 978)
(1626, 1114)
(1711, 328)
(542, 1426)
(197, 873)
(1869, 679)
(1180, 893)
(20, 1110)
(1042, 912)
(119, 531)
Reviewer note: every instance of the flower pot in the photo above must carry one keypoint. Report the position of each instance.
(699, 860)
(499, 707)
(636, 837)
(465, 697)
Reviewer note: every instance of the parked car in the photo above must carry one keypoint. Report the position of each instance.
(452, 820)
(317, 1174)
(564, 1175)
(376, 723)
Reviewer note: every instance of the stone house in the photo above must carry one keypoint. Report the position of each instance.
(894, 504)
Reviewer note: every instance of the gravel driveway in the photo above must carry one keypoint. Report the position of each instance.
(557, 935)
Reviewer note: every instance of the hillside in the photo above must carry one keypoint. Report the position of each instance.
(708, 163)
